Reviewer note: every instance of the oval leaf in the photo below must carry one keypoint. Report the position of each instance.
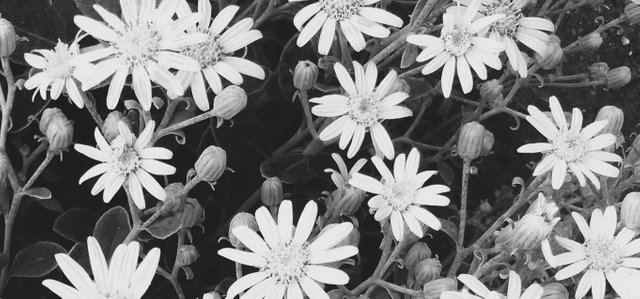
(39, 193)
(111, 229)
(165, 227)
(76, 224)
(446, 172)
(36, 260)
(291, 168)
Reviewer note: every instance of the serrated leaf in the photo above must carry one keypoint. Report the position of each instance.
(165, 227)
(36, 260)
(39, 192)
(76, 224)
(111, 229)
(291, 168)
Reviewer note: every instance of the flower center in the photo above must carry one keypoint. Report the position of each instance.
(457, 41)
(58, 63)
(365, 109)
(139, 44)
(286, 264)
(341, 9)
(603, 255)
(207, 53)
(400, 195)
(569, 146)
(507, 26)
(125, 159)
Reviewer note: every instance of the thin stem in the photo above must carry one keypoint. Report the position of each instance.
(466, 166)
(174, 282)
(8, 105)
(168, 113)
(304, 100)
(29, 159)
(183, 124)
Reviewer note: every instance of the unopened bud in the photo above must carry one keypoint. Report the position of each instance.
(8, 38)
(615, 118)
(418, 252)
(527, 233)
(427, 270)
(590, 42)
(598, 71)
(110, 127)
(271, 192)
(174, 198)
(487, 143)
(305, 75)
(350, 201)
(433, 289)
(632, 13)
(491, 92)
(471, 140)
(485, 207)
(241, 219)
(229, 102)
(553, 54)
(187, 255)
(618, 77)
(630, 211)
(554, 290)
(57, 128)
(211, 163)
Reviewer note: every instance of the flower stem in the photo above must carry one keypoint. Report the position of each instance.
(304, 100)
(466, 166)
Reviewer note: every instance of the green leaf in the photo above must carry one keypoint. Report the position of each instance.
(76, 224)
(446, 172)
(86, 7)
(291, 168)
(111, 229)
(36, 260)
(51, 204)
(165, 227)
(449, 228)
(39, 192)
(80, 254)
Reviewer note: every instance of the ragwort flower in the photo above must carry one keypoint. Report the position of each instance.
(514, 289)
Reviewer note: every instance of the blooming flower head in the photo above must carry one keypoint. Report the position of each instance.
(127, 160)
(288, 263)
(603, 256)
(121, 278)
(353, 16)
(400, 194)
(514, 289)
(346, 198)
(459, 48)
(364, 107)
(215, 54)
(58, 69)
(570, 147)
(145, 43)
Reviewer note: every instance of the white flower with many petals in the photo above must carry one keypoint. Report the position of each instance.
(514, 289)
(58, 70)
(570, 147)
(459, 48)
(353, 17)
(127, 160)
(145, 43)
(362, 109)
(288, 263)
(602, 257)
(215, 55)
(400, 194)
(121, 278)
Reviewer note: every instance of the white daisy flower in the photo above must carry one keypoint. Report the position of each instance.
(571, 148)
(127, 160)
(400, 194)
(459, 48)
(353, 16)
(215, 55)
(346, 198)
(58, 70)
(121, 278)
(602, 257)
(363, 108)
(514, 289)
(145, 43)
(342, 176)
(288, 264)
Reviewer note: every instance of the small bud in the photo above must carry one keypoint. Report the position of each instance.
(598, 71)
(418, 252)
(241, 219)
(471, 140)
(553, 55)
(618, 77)
(187, 255)
(192, 214)
(110, 126)
(485, 207)
(305, 75)
(8, 38)
(554, 290)
(399, 85)
(630, 211)
(590, 42)
(491, 92)
(349, 201)
(57, 128)
(487, 143)
(427, 270)
(229, 102)
(271, 192)
(433, 289)
(614, 115)
(174, 198)
(211, 163)
(632, 13)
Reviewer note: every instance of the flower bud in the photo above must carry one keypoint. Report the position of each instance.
(271, 192)
(554, 290)
(598, 71)
(229, 102)
(57, 129)
(552, 55)
(433, 289)
(241, 219)
(349, 201)
(590, 42)
(485, 207)
(192, 214)
(418, 252)
(615, 118)
(305, 75)
(427, 270)
(632, 13)
(471, 140)
(630, 211)
(211, 163)
(487, 143)
(618, 77)
(174, 198)
(110, 127)
(491, 92)
(187, 255)
(8, 38)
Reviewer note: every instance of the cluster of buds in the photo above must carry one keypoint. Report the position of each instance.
(211, 164)
(618, 77)
(57, 129)
(346, 201)
(241, 219)
(418, 252)
(305, 75)
(8, 38)
(553, 54)
(110, 127)
(271, 194)
(630, 211)
(229, 102)
(427, 270)
(474, 141)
